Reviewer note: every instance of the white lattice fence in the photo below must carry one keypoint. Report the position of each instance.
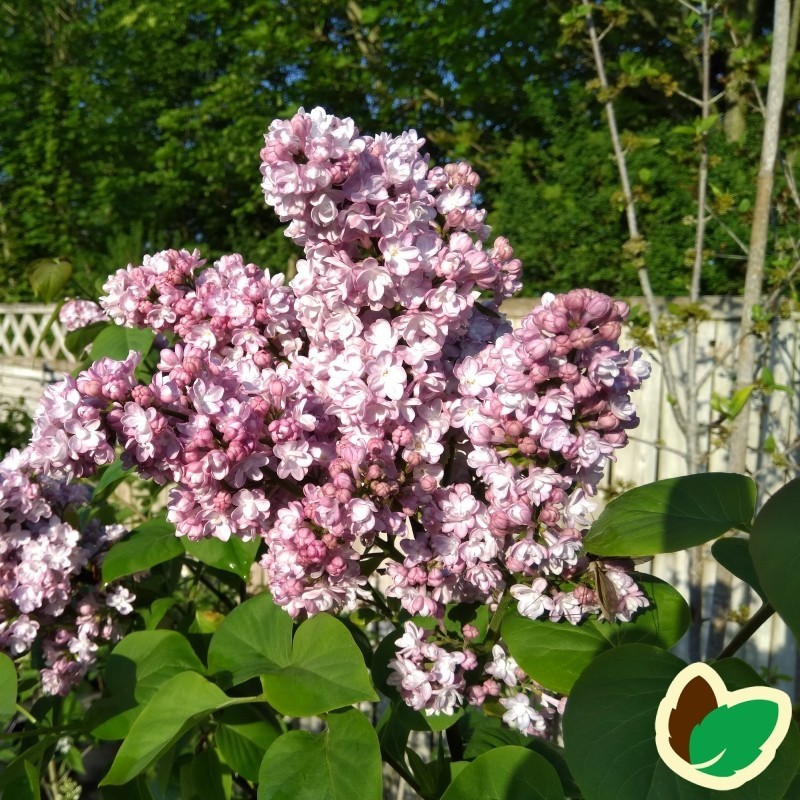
(31, 356)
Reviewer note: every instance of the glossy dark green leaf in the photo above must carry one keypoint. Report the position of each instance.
(506, 773)
(180, 703)
(734, 555)
(341, 763)
(609, 731)
(775, 548)
(116, 342)
(555, 654)
(233, 556)
(153, 542)
(673, 514)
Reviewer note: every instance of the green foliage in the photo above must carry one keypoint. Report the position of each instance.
(775, 551)
(306, 766)
(181, 702)
(506, 773)
(151, 543)
(233, 556)
(673, 514)
(116, 342)
(555, 655)
(8, 687)
(734, 555)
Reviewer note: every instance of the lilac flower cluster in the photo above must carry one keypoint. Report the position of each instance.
(47, 592)
(378, 405)
(76, 314)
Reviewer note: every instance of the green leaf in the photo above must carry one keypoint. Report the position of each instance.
(152, 543)
(136, 669)
(244, 733)
(203, 777)
(732, 736)
(506, 773)
(321, 670)
(183, 701)
(734, 555)
(255, 638)
(116, 342)
(775, 548)
(233, 556)
(113, 475)
(48, 276)
(134, 790)
(8, 688)
(673, 514)
(555, 654)
(20, 781)
(326, 671)
(78, 340)
(341, 763)
(609, 731)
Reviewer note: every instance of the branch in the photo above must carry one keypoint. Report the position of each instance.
(747, 630)
(633, 225)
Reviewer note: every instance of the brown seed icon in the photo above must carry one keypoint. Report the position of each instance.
(696, 701)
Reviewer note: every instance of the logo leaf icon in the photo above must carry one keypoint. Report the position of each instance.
(730, 738)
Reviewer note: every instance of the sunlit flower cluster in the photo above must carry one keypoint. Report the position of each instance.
(378, 409)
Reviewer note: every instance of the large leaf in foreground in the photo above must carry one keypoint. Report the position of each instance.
(775, 547)
(673, 514)
(506, 773)
(341, 763)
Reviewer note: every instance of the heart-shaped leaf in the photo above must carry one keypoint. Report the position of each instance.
(244, 733)
(326, 671)
(233, 556)
(321, 670)
(673, 514)
(342, 762)
(116, 342)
